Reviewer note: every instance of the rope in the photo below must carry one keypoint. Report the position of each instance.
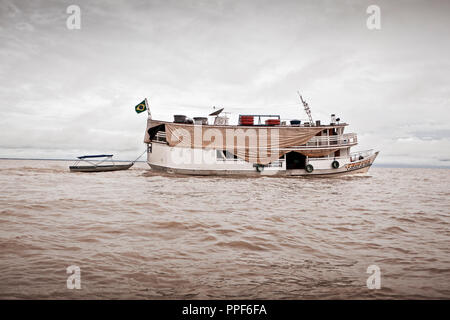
(140, 156)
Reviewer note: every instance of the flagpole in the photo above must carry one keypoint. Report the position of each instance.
(148, 109)
(149, 117)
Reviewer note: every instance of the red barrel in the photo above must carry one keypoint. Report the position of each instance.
(246, 120)
(273, 122)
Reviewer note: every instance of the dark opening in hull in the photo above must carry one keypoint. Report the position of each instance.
(295, 160)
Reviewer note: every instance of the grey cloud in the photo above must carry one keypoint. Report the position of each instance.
(432, 134)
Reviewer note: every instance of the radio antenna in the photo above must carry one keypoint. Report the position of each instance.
(307, 109)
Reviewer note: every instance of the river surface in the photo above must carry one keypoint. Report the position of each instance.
(138, 235)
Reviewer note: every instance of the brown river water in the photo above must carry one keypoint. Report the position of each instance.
(138, 235)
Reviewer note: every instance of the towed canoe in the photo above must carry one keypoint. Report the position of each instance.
(94, 165)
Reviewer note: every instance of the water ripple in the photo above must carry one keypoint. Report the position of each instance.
(136, 234)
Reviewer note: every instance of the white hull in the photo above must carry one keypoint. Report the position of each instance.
(175, 160)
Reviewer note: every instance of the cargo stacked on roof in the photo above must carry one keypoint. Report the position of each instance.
(258, 145)
(269, 120)
(246, 120)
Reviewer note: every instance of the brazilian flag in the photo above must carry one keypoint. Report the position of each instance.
(141, 107)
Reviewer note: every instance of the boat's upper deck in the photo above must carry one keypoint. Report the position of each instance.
(257, 125)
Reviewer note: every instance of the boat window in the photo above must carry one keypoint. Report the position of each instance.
(219, 155)
(229, 155)
(161, 136)
(225, 155)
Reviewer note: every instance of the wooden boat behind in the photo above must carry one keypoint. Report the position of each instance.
(94, 165)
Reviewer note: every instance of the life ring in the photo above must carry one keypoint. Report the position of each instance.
(335, 164)
(309, 168)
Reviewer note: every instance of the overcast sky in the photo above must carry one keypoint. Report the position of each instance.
(65, 92)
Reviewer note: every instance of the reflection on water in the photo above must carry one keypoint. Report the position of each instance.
(137, 234)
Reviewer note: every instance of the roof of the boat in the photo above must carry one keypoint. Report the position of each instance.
(96, 156)
(154, 122)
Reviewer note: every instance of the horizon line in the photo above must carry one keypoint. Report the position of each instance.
(380, 165)
(61, 159)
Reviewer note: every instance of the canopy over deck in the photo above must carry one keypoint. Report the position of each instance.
(96, 156)
(255, 144)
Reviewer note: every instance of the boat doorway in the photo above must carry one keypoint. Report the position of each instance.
(295, 160)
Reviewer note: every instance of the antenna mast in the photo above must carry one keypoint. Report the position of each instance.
(307, 109)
